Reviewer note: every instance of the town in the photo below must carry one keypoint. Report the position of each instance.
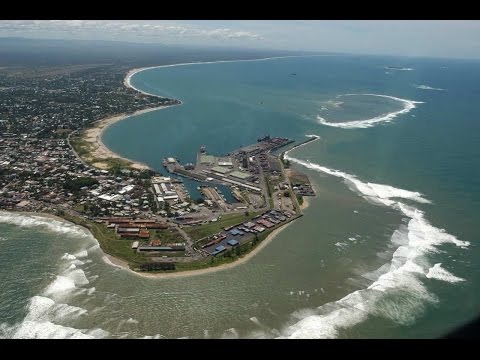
(143, 217)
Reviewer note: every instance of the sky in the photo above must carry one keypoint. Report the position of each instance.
(435, 38)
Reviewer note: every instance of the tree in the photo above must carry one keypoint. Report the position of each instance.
(247, 213)
(74, 185)
(167, 209)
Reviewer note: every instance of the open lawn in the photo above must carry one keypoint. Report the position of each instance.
(109, 241)
(200, 231)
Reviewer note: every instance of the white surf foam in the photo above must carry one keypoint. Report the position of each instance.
(398, 68)
(78, 276)
(48, 330)
(47, 314)
(68, 256)
(50, 224)
(82, 253)
(91, 290)
(426, 87)
(132, 321)
(157, 336)
(39, 307)
(60, 285)
(39, 322)
(397, 292)
(408, 105)
(230, 334)
(128, 78)
(378, 193)
(439, 273)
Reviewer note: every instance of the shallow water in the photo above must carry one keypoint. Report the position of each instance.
(368, 259)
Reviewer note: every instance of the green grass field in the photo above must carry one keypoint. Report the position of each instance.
(121, 248)
(109, 241)
(200, 231)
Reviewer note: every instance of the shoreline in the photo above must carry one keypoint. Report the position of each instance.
(40, 214)
(134, 71)
(93, 136)
(119, 263)
(111, 260)
(306, 203)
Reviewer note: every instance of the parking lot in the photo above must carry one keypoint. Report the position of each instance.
(243, 233)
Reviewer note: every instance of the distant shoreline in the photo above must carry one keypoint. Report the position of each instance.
(96, 133)
(127, 80)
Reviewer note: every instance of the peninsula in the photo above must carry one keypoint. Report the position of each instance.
(145, 220)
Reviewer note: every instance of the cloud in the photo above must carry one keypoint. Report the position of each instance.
(121, 28)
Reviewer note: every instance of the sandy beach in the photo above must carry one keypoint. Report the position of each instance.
(129, 75)
(114, 261)
(306, 203)
(98, 150)
(122, 264)
(119, 263)
(93, 136)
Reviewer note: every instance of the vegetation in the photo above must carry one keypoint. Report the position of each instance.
(166, 207)
(166, 236)
(81, 147)
(270, 191)
(108, 240)
(227, 257)
(300, 199)
(74, 185)
(200, 231)
(285, 162)
(84, 149)
(121, 248)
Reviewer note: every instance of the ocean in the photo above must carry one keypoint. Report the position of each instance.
(387, 248)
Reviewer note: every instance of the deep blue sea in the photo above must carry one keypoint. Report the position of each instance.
(387, 249)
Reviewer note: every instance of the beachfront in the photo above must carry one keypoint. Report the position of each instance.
(100, 156)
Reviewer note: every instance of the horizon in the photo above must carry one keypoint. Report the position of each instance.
(456, 39)
(287, 52)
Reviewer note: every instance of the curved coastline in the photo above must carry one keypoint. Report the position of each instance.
(119, 263)
(102, 150)
(127, 80)
(94, 137)
(111, 260)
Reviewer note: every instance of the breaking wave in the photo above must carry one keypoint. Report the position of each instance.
(367, 123)
(398, 68)
(57, 226)
(397, 292)
(426, 87)
(48, 313)
(439, 273)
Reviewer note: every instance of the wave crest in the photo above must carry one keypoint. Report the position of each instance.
(398, 293)
(408, 105)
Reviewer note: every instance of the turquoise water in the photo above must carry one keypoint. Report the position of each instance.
(312, 280)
